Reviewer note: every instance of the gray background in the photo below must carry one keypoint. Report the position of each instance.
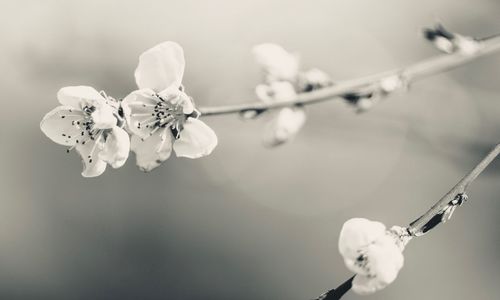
(245, 222)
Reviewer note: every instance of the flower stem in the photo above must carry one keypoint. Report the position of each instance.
(408, 75)
(459, 188)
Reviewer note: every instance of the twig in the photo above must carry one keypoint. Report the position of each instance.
(417, 225)
(336, 294)
(408, 74)
(458, 189)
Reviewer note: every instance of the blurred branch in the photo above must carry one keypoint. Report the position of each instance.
(435, 211)
(409, 74)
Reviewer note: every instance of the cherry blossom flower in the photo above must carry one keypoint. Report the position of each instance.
(283, 81)
(372, 252)
(160, 115)
(286, 122)
(90, 123)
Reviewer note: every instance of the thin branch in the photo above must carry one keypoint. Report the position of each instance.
(417, 225)
(458, 189)
(336, 294)
(408, 74)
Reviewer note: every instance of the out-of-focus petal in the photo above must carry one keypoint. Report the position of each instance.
(74, 95)
(138, 108)
(196, 140)
(357, 233)
(152, 151)
(116, 148)
(314, 79)
(276, 91)
(364, 285)
(276, 61)
(60, 125)
(89, 152)
(284, 126)
(161, 67)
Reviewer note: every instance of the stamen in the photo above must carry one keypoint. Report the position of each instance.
(141, 104)
(99, 135)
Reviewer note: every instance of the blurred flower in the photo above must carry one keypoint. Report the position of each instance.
(160, 115)
(284, 81)
(90, 123)
(372, 252)
(277, 63)
(449, 42)
(286, 122)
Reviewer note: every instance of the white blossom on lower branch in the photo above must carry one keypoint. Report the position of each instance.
(160, 116)
(90, 123)
(372, 252)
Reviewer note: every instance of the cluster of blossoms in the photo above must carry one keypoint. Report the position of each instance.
(374, 253)
(152, 121)
(283, 82)
(450, 42)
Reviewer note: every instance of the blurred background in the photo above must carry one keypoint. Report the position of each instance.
(246, 222)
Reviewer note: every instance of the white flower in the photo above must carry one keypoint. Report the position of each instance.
(372, 252)
(284, 81)
(88, 122)
(160, 115)
(286, 122)
(278, 63)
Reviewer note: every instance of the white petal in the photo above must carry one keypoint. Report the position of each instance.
(385, 259)
(444, 44)
(314, 79)
(282, 91)
(196, 140)
(276, 61)
(74, 95)
(284, 127)
(116, 148)
(103, 116)
(263, 92)
(357, 233)
(364, 285)
(138, 108)
(60, 125)
(89, 152)
(178, 97)
(161, 67)
(276, 91)
(152, 151)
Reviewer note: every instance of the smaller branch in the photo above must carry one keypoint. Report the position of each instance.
(408, 74)
(458, 189)
(336, 294)
(417, 225)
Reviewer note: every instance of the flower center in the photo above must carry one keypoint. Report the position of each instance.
(166, 113)
(87, 130)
